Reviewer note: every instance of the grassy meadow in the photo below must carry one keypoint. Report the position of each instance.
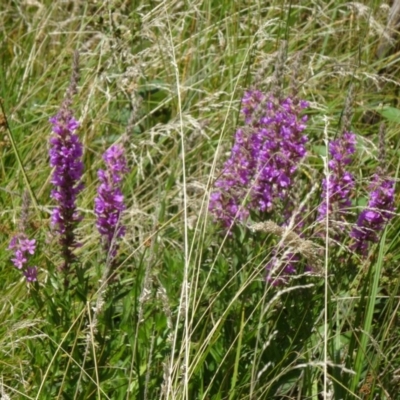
(185, 309)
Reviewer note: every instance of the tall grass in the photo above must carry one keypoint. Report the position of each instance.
(188, 312)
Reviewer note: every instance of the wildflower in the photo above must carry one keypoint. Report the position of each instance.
(264, 157)
(31, 274)
(338, 187)
(375, 216)
(27, 245)
(23, 248)
(278, 271)
(109, 202)
(66, 159)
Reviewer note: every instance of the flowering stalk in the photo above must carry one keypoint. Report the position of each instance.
(373, 219)
(338, 187)
(23, 248)
(278, 270)
(109, 202)
(264, 157)
(66, 159)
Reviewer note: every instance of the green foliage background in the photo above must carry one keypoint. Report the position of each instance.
(190, 315)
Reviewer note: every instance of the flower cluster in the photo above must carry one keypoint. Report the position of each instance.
(278, 270)
(337, 188)
(264, 157)
(66, 159)
(23, 248)
(109, 202)
(375, 216)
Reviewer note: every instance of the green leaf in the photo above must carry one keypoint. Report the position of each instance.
(320, 150)
(390, 113)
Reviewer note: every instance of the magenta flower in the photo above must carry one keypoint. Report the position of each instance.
(28, 245)
(341, 183)
(109, 202)
(23, 248)
(373, 219)
(279, 270)
(264, 158)
(66, 159)
(31, 274)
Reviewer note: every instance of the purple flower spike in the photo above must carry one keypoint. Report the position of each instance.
(66, 159)
(31, 274)
(264, 158)
(23, 248)
(375, 216)
(109, 202)
(341, 183)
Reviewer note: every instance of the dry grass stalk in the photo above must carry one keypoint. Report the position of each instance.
(307, 248)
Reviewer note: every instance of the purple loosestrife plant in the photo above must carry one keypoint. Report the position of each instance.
(66, 159)
(373, 219)
(264, 158)
(340, 184)
(23, 248)
(109, 202)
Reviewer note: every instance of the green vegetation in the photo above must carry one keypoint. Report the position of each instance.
(188, 313)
